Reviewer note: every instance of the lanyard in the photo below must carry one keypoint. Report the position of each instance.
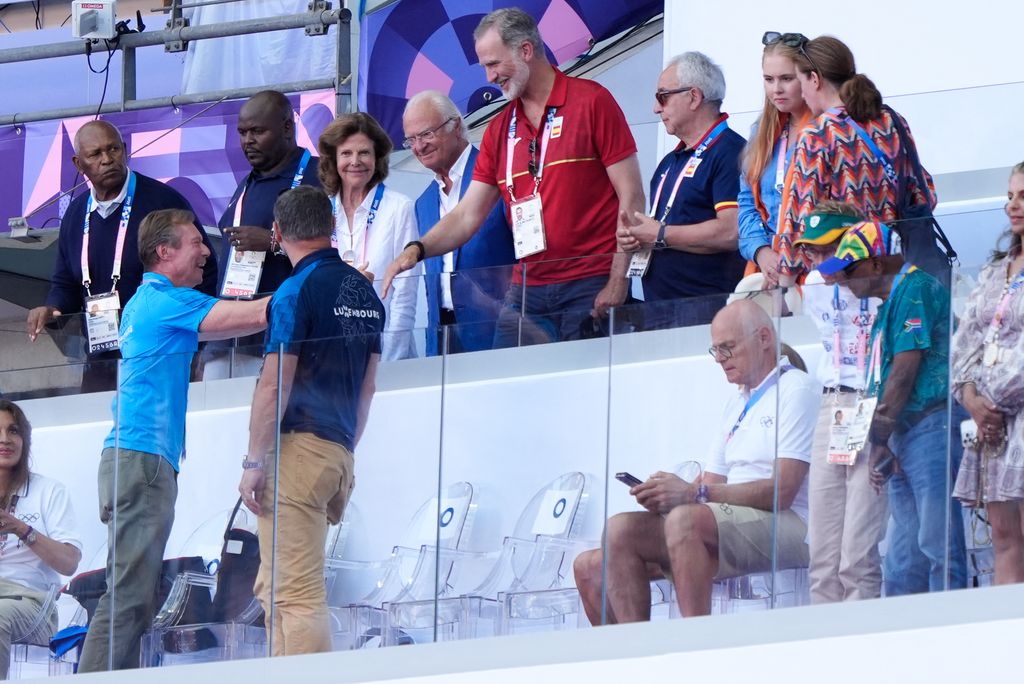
(875, 371)
(1004, 303)
(296, 182)
(756, 396)
(512, 126)
(122, 233)
(780, 163)
(890, 170)
(378, 195)
(862, 334)
(698, 153)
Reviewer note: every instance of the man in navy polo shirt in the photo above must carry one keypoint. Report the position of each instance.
(159, 334)
(692, 231)
(323, 339)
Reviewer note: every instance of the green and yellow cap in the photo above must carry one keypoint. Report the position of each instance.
(825, 228)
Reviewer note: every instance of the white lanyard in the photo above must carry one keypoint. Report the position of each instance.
(862, 335)
(378, 195)
(780, 163)
(1004, 303)
(510, 153)
(122, 233)
(296, 182)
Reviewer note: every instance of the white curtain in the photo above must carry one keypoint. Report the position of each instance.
(260, 59)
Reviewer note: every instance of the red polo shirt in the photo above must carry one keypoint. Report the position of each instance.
(579, 202)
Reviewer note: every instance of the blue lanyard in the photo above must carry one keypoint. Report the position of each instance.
(378, 195)
(890, 170)
(873, 372)
(772, 380)
(299, 172)
(710, 138)
(907, 268)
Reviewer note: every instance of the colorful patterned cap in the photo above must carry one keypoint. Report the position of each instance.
(825, 228)
(863, 240)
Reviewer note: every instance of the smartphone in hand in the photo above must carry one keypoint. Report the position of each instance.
(886, 467)
(628, 479)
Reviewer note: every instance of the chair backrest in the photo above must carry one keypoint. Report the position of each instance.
(207, 540)
(555, 510)
(338, 535)
(452, 518)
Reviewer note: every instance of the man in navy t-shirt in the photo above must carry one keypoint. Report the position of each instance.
(324, 341)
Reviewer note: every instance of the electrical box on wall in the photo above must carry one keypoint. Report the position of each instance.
(93, 18)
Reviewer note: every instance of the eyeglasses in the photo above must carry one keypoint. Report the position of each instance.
(425, 136)
(820, 251)
(726, 350)
(662, 95)
(793, 40)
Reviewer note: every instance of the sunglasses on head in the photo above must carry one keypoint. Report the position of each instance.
(792, 40)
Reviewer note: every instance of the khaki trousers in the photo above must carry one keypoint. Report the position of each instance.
(19, 608)
(846, 520)
(316, 480)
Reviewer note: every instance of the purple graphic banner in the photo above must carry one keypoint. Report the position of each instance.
(193, 148)
(407, 47)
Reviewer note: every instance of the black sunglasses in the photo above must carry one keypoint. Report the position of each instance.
(662, 95)
(532, 166)
(793, 40)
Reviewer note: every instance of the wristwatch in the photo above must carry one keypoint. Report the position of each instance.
(251, 465)
(702, 494)
(659, 242)
(30, 537)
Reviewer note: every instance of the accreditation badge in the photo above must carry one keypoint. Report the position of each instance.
(638, 263)
(528, 227)
(861, 423)
(243, 273)
(101, 317)
(838, 438)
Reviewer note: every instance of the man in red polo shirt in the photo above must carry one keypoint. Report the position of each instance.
(572, 174)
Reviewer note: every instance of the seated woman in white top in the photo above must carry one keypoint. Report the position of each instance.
(38, 540)
(372, 223)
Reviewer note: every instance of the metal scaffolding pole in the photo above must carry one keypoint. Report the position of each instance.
(315, 22)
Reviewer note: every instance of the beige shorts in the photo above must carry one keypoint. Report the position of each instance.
(745, 542)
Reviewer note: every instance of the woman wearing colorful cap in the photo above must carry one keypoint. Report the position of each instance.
(847, 517)
(839, 156)
(769, 152)
(988, 379)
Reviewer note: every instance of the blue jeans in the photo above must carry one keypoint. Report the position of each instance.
(547, 313)
(926, 541)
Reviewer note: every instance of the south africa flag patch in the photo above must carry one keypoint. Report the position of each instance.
(911, 325)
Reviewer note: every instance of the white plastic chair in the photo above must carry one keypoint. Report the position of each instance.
(523, 584)
(29, 658)
(362, 588)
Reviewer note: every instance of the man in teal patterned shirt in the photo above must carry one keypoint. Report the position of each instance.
(910, 444)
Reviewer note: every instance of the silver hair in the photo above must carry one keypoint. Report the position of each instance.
(695, 69)
(514, 26)
(444, 106)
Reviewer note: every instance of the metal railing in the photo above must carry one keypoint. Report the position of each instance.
(315, 21)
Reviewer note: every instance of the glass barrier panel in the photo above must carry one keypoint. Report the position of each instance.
(529, 469)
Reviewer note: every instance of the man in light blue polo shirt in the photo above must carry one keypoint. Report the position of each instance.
(159, 334)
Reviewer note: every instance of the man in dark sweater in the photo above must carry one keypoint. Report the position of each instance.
(98, 244)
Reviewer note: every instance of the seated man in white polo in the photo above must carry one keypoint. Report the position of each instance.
(720, 526)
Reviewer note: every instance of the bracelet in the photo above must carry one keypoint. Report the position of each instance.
(251, 465)
(422, 251)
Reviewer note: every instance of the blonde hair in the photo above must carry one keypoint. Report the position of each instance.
(758, 151)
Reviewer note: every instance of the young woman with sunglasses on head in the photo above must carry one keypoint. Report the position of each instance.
(833, 160)
(38, 542)
(769, 153)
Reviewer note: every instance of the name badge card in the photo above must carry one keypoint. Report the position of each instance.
(528, 227)
(102, 321)
(839, 437)
(639, 263)
(243, 274)
(691, 167)
(861, 423)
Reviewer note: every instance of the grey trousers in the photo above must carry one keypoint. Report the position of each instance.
(19, 607)
(137, 532)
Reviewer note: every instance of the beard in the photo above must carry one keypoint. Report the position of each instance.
(516, 83)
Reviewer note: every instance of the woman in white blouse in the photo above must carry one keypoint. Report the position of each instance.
(372, 223)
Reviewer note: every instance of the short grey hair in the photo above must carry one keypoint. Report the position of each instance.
(696, 70)
(514, 26)
(444, 106)
(160, 227)
(304, 213)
